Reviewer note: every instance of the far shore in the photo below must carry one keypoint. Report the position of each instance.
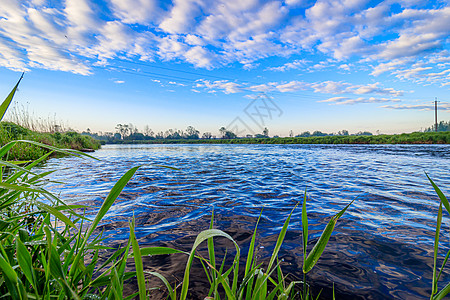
(404, 138)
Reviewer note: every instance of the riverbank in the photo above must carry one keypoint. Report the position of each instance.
(25, 151)
(404, 138)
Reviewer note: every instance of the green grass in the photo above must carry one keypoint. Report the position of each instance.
(26, 151)
(50, 250)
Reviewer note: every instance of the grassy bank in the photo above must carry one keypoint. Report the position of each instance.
(404, 138)
(24, 151)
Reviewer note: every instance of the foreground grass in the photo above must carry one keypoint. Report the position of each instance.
(404, 138)
(25, 151)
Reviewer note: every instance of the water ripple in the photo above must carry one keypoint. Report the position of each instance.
(382, 248)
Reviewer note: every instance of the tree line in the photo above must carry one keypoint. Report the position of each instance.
(129, 132)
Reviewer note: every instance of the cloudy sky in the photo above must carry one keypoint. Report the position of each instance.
(287, 65)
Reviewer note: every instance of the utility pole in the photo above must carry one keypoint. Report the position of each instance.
(435, 114)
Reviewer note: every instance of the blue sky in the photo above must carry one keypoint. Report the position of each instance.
(286, 65)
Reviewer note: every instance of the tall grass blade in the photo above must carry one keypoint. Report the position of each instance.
(436, 247)
(201, 237)
(304, 226)
(444, 292)
(172, 292)
(317, 251)
(25, 263)
(4, 106)
(440, 194)
(138, 263)
(251, 248)
(280, 240)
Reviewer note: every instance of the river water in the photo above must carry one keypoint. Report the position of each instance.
(382, 247)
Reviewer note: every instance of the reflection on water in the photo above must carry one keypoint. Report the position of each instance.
(381, 249)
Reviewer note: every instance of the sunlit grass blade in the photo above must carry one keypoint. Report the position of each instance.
(304, 226)
(55, 213)
(251, 249)
(320, 245)
(138, 263)
(159, 251)
(440, 194)
(204, 235)
(280, 240)
(5, 104)
(444, 292)
(443, 265)
(172, 291)
(5, 148)
(25, 262)
(436, 247)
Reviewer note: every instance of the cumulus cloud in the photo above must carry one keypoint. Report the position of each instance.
(296, 64)
(226, 86)
(390, 35)
(135, 11)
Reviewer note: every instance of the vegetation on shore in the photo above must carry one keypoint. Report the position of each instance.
(24, 151)
(404, 138)
(129, 134)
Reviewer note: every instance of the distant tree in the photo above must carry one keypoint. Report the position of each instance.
(207, 135)
(137, 136)
(222, 131)
(363, 133)
(249, 136)
(304, 134)
(442, 126)
(343, 132)
(291, 133)
(148, 132)
(159, 135)
(318, 133)
(229, 135)
(265, 132)
(121, 130)
(117, 136)
(192, 133)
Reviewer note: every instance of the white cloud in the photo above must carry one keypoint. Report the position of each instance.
(391, 36)
(330, 87)
(443, 106)
(200, 57)
(182, 17)
(292, 86)
(135, 11)
(225, 86)
(360, 100)
(428, 31)
(296, 64)
(119, 81)
(389, 66)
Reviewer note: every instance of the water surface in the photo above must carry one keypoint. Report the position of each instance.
(382, 246)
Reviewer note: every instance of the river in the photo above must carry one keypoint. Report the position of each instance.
(382, 247)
